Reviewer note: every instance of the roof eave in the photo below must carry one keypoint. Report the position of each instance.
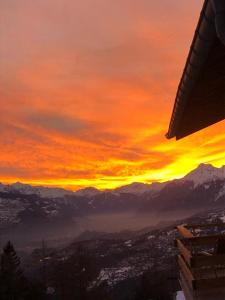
(211, 25)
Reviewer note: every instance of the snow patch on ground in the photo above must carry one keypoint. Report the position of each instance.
(150, 237)
(221, 193)
(180, 296)
(128, 243)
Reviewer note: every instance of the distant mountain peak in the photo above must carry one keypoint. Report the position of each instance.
(42, 191)
(140, 188)
(205, 173)
(19, 185)
(89, 192)
(206, 167)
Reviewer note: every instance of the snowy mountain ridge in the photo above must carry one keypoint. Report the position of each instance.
(204, 173)
(203, 188)
(140, 188)
(42, 191)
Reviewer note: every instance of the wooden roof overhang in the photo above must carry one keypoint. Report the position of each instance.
(200, 99)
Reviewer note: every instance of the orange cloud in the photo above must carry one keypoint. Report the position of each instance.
(87, 90)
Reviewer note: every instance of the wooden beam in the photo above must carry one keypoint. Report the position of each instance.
(186, 254)
(188, 292)
(186, 271)
(184, 231)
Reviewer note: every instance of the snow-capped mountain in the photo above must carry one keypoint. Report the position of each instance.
(140, 188)
(203, 188)
(205, 173)
(42, 191)
(202, 174)
(88, 192)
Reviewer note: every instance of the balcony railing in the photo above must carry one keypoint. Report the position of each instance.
(201, 261)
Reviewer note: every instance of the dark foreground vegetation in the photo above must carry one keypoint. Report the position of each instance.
(73, 278)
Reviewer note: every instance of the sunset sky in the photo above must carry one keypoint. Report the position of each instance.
(87, 89)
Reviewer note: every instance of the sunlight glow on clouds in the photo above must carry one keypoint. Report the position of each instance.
(87, 90)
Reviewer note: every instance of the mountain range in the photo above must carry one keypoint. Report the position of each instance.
(201, 189)
(202, 174)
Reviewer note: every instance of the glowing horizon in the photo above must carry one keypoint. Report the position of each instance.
(87, 91)
(84, 184)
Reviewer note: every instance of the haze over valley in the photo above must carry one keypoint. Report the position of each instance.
(33, 213)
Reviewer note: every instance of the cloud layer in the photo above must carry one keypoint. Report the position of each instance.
(87, 88)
